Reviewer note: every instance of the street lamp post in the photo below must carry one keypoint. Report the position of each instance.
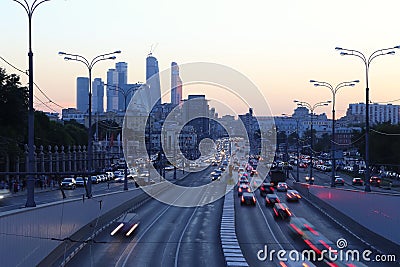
(311, 108)
(367, 62)
(89, 65)
(334, 90)
(29, 9)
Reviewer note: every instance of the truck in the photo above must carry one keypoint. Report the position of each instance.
(277, 175)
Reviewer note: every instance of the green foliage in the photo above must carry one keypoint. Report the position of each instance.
(384, 144)
(14, 121)
(13, 112)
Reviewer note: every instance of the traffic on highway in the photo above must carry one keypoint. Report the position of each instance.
(275, 222)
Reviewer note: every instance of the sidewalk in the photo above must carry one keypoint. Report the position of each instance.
(37, 190)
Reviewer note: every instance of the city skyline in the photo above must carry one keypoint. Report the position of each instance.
(279, 46)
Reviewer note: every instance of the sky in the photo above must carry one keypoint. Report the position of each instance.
(278, 45)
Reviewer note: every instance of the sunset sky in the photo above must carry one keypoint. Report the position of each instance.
(278, 45)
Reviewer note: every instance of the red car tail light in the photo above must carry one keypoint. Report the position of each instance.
(311, 229)
(296, 229)
(276, 213)
(312, 246)
(242, 199)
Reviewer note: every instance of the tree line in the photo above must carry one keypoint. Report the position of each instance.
(14, 121)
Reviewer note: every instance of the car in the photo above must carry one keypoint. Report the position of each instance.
(292, 195)
(281, 211)
(95, 179)
(243, 180)
(253, 173)
(68, 183)
(248, 198)
(375, 181)
(266, 188)
(169, 168)
(357, 181)
(243, 188)
(339, 181)
(215, 176)
(4, 192)
(281, 187)
(271, 199)
(218, 171)
(80, 181)
(308, 180)
(110, 175)
(126, 224)
(120, 178)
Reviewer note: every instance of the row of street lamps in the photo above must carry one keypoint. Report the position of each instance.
(367, 61)
(29, 9)
(311, 108)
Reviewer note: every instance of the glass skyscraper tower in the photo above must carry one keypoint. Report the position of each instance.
(153, 80)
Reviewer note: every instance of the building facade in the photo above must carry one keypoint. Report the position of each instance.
(112, 91)
(82, 94)
(176, 85)
(153, 80)
(378, 113)
(97, 96)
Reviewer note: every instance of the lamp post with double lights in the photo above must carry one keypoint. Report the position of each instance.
(89, 65)
(29, 9)
(334, 90)
(297, 146)
(124, 92)
(311, 108)
(367, 62)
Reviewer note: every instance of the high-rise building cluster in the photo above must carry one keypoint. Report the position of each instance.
(119, 92)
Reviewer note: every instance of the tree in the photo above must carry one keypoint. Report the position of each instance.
(14, 100)
(323, 143)
(384, 144)
(13, 112)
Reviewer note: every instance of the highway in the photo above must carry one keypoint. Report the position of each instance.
(167, 235)
(256, 227)
(180, 236)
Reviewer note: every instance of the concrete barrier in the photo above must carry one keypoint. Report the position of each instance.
(372, 217)
(34, 235)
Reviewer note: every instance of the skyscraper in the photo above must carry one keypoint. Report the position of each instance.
(82, 94)
(176, 84)
(97, 95)
(153, 80)
(112, 93)
(122, 73)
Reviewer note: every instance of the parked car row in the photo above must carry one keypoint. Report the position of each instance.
(74, 182)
